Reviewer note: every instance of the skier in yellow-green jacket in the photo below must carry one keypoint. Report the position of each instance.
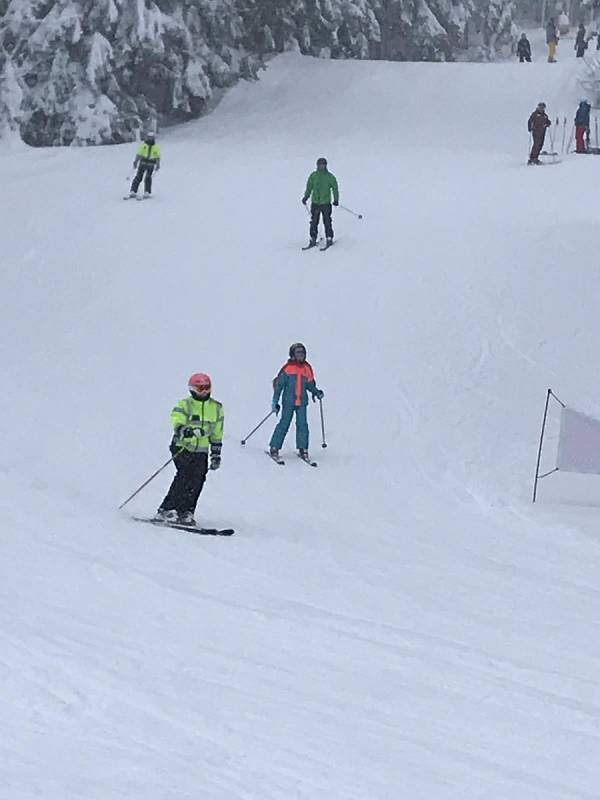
(321, 186)
(147, 159)
(196, 447)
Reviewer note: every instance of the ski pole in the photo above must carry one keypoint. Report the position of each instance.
(562, 149)
(596, 129)
(324, 443)
(151, 478)
(552, 140)
(570, 139)
(253, 431)
(349, 210)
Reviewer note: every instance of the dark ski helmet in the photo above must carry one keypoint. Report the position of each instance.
(322, 161)
(297, 346)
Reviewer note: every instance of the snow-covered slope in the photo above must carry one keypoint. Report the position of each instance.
(399, 622)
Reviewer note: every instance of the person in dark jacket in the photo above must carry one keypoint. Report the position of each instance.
(536, 125)
(580, 41)
(582, 126)
(523, 49)
(551, 40)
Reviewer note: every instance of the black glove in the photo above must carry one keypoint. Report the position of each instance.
(336, 202)
(215, 455)
(189, 432)
(304, 200)
(319, 394)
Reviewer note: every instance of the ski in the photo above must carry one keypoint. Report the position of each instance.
(189, 528)
(144, 197)
(326, 247)
(307, 461)
(279, 461)
(309, 246)
(128, 197)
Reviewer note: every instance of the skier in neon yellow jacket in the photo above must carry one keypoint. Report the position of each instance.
(147, 159)
(198, 424)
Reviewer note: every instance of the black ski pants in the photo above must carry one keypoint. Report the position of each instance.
(316, 210)
(187, 483)
(144, 171)
(523, 57)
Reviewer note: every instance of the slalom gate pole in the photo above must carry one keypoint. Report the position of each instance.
(570, 138)
(262, 422)
(323, 442)
(349, 210)
(539, 455)
(151, 478)
(564, 136)
(552, 140)
(596, 129)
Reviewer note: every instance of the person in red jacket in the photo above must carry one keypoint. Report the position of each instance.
(537, 124)
(292, 385)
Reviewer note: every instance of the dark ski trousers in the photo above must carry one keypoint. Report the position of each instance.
(523, 58)
(283, 426)
(187, 483)
(538, 143)
(316, 210)
(143, 168)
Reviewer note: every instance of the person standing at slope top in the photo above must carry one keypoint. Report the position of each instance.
(536, 125)
(198, 422)
(147, 159)
(551, 40)
(292, 384)
(320, 187)
(523, 49)
(582, 126)
(580, 41)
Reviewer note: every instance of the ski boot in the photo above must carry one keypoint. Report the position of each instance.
(304, 454)
(132, 194)
(146, 195)
(274, 452)
(312, 243)
(165, 516)
(187, 518)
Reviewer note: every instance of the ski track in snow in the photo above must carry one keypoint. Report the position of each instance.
(400, 622)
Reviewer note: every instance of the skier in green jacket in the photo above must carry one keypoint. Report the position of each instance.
(320, 186)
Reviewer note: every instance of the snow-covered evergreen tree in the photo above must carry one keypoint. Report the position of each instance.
(93, 71)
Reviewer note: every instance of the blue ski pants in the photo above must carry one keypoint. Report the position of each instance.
(282, 427)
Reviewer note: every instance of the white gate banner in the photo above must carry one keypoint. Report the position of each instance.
(579, 443)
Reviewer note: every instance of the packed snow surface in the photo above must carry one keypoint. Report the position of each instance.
(398, 623)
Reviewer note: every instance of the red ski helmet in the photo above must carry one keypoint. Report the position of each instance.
(199, 382)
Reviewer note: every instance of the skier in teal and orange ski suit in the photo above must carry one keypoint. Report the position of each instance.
(292, 384)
